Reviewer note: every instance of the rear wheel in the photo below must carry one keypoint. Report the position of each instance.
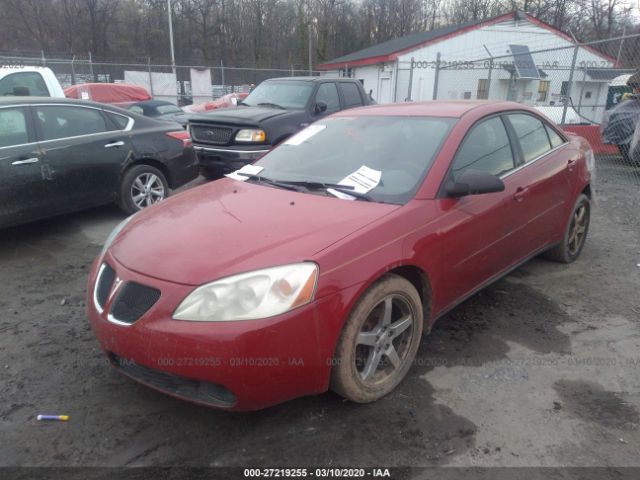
(142, 186)
(379, 341)
(575, 234)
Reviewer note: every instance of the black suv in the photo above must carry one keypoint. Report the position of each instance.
(226, 140)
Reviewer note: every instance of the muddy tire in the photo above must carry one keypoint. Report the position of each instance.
(142, 186)
(379, 341)
(575, 233)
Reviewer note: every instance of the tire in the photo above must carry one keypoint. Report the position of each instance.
(570, 248)
(136, 178)
(363, 340)
(211, 173)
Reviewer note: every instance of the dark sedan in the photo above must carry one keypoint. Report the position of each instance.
(60, 155)
(160, 110)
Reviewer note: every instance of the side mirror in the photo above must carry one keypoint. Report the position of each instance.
(319, 107)
(474, 182)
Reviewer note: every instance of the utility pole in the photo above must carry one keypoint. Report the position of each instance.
(173, 56)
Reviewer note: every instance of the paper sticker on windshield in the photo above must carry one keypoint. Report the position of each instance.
(304, 135)
(362, 180)
(247, 170)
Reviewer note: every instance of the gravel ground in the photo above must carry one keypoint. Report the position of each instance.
(540, 369)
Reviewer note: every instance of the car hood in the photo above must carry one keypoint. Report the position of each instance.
(228, 227)
(239, 115)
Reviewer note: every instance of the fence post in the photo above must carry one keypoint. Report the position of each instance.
(437, 76)
(73, 71)
(408, 99)
(568, 94)
(44, 60)
(91, 68)
(584, 79)
(150, 76)
(222, 73)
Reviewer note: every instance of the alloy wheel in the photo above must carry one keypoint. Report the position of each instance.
(383, 343)
(577, 230)
(147, 189)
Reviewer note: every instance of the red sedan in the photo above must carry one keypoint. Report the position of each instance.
(321, 265)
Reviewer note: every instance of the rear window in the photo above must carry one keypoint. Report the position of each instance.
(351, 95)
(13, 127)
(163, 109)
(24, 84)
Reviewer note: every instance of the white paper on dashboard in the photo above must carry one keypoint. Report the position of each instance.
(362, 180)
(248, 169)
(304, 135)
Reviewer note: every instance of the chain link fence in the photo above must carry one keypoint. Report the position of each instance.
(578, 87)
(182, 84)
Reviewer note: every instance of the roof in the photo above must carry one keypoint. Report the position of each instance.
(398, 44)
(434, 108)
(390, 50)
(605, 74)
(11, 100)
(108, 92)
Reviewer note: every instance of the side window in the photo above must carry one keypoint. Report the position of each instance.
(24, 84)
(13, 127)
(556, 139)
(351, 95)
(328, 93)
(532, 135)
(120, 120)
(485, 148)
(62, 122)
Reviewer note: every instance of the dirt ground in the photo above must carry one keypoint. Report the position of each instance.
(540, 369)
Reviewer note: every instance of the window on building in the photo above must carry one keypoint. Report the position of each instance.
(483, 89)
(543, 90)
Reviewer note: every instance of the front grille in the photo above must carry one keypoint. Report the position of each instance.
(133, 301)
(204, 392)
(211, 134)
(104, 284)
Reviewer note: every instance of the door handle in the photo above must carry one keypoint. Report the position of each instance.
(26, 161)
(571, 163)
(114, 144)
(520, 194)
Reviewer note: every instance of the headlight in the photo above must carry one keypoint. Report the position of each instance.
(114, 233)
(252, 295)
(251, 135)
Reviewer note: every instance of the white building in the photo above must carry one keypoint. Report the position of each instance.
(513, 56)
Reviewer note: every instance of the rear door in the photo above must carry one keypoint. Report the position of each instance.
(351, 97)
(23, 190)
(83, 153)
(549, 162)
(483, 225)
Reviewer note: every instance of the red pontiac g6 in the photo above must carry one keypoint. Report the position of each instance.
(321, 265)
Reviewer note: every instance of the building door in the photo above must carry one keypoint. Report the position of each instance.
(384, 95)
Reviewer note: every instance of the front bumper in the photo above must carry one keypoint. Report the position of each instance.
(242, 365)
(228, 159)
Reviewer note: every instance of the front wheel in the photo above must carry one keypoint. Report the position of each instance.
(379, 341)
(575, 234)
(142, 186)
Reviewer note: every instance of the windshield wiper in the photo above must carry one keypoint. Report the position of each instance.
(269, 181)
(269, 104)
(348, 189)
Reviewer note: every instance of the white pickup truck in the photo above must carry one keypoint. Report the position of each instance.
(27, 81)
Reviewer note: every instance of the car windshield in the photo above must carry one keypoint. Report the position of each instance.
(289, 95)
(395, 150)
(164, 109)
